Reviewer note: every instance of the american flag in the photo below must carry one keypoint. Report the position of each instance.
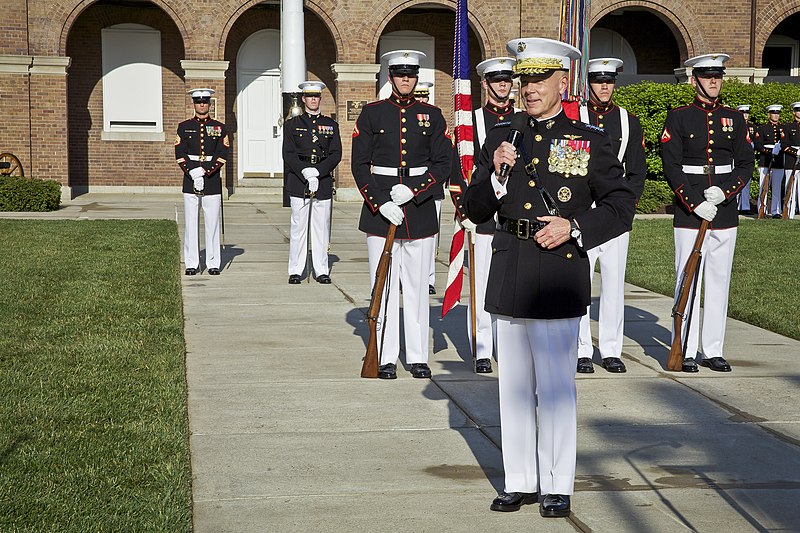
(462, 126)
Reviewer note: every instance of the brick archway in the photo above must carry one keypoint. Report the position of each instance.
(766, 23)
(688, 35)
(69, 16)
(320, 9)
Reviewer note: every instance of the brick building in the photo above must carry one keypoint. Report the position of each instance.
(91, 92)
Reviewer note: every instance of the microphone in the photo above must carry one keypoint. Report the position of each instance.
(514, 137)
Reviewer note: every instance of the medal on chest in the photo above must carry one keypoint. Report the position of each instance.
(423, 119)
(569, 157)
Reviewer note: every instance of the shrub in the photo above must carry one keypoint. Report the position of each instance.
(29, 194)
(655, 196)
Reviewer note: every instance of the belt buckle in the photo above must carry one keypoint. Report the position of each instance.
(402, 172)
(708, 169)
(314, 160)
(523, 234)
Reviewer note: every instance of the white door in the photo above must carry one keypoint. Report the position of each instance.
(259, 105)
(261, 137)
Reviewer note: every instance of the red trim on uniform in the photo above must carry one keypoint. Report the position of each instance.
(665, 136)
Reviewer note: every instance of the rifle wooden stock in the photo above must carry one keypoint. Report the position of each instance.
(762, 197)
(369, 369)
(789, 187)
(472, 305)
(679, 310)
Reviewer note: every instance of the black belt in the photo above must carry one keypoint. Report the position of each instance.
(313, 159)
(523, 228)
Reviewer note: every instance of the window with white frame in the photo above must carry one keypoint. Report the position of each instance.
(131, 79)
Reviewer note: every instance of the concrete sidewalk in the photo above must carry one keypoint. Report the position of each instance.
(285, 436)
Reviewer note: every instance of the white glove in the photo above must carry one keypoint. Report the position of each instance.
(468, 225)
(313, 184)
(714, 195)
(198, 172)
(776, 150)
(199, 184)
(706, 211)
(392, 212)
(310, 172)
(401, 194)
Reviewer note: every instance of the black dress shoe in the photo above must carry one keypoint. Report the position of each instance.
(191, 272)
(776, 216)
(213, 271)
(294, 279)
(387, 371)
(420, 370)
(585, 365)
(324, 279)
(554, 506)
(614, 364)
(717, 364)
(483, 366)
(512, 501)
(689, 365)
(431, 289)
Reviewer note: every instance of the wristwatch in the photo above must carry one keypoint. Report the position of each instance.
(574, 230)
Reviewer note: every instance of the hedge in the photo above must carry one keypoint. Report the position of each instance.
(29, 194)
(652, 101)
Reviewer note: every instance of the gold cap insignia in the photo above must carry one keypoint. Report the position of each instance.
(521, 46)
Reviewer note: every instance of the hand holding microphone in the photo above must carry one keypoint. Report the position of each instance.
(506, 154)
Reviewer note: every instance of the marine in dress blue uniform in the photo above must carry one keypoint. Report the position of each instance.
(791, 147)
(497, 79)
(401, 153)
(744, 194)
(312, 148)
(768, 145)
(201, 149)
(627, 140)
(707, 160)
(538, 285)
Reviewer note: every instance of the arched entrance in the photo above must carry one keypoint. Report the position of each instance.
(258, 97)
(782, 51)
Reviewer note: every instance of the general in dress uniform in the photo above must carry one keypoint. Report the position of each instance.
(422, 92)
(707, 159)
(791, 147)
(497, 79)
(627, 140)
(312, 148)
(744, 194)
(768, 145)
(401, 154)
(538, 286)
(201, 148)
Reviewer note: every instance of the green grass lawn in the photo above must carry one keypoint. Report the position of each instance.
(765, 283)
(93, 421)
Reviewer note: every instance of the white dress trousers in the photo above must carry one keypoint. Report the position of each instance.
(776, 177)
(744, 197)
(536, 362)
(191, 218)
(792, 206)
(483, 259)
(432, 275)
(410, 264)
(613, 257)
(714, 277)
(320, 228)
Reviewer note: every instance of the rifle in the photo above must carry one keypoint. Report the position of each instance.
(762, 198)
(310, 197)
(679, 311)
(369, 369)
(789, 187)
(222, 216)
(472, 306)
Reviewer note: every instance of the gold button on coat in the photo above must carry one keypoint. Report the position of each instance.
(527, 205)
